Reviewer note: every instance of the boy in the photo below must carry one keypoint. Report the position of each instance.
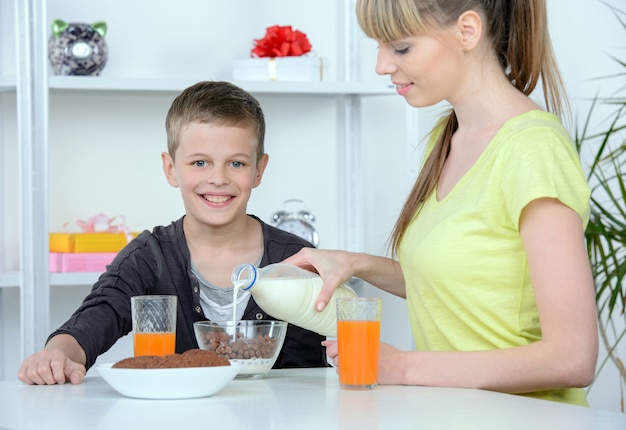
(215, 138)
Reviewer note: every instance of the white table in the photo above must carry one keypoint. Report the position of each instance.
(294, 399)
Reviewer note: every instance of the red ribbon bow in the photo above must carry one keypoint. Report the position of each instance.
(281, 41)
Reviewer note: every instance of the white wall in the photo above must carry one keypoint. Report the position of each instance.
(582, 35)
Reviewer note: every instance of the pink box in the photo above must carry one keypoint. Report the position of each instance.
(80, 261)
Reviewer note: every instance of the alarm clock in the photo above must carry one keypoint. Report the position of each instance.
(297, 220)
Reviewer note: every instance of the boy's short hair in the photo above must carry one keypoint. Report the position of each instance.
(214, 102)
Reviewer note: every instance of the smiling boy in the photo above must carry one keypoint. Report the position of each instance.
(216, 156)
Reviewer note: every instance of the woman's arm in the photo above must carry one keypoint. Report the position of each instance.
(337, 267)
(567, 353)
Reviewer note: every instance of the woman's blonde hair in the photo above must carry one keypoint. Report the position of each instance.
(518, 32)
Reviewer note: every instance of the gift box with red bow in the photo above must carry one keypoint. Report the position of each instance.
(283, 54)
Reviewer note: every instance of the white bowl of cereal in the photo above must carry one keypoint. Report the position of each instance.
(169, 377)
(253, 344)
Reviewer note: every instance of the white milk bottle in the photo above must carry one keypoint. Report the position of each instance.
(289, 293)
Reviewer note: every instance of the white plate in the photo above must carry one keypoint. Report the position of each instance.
(178, 383)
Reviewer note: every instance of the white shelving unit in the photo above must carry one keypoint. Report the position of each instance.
(82, 83)
(44, 102)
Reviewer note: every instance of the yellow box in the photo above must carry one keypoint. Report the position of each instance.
(88, 242)
(61, 242)
(99, 242)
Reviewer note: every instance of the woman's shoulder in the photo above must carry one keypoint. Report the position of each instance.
(539, 124)
(533, 134)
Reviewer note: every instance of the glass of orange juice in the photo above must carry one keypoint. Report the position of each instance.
(154, 324)
(358, 340)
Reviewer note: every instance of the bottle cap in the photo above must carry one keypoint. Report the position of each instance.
(244, 276)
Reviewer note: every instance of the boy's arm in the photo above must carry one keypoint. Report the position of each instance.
(69, 345)
(62, 360)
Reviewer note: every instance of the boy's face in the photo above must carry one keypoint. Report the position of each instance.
(216, 169)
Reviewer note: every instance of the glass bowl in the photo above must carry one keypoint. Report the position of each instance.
(254, 344)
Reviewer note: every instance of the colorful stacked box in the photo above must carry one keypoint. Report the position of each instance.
(84, 252)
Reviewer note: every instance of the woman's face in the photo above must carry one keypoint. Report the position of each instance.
(425, 69)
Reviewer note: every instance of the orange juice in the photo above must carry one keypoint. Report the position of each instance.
(358, 343)
(154, 343)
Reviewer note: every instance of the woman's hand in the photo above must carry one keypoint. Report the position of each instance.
(388, 370)
(338, 267)
(48, 367)
(334, 267)
(332, 351)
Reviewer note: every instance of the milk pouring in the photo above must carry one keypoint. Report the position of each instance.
(288, 293)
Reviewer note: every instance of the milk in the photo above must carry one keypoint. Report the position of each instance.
(288, 293)
(293, 300)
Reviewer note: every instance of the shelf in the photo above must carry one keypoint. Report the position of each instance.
(91, 83)
(7, 83)
(78, 278)
(11, 279)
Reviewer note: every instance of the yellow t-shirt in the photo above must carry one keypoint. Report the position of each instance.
(467, 279)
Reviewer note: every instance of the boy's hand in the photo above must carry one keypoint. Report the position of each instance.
(50, 367)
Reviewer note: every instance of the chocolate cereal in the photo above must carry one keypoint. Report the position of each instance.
(261, 346)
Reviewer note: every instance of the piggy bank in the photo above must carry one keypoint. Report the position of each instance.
(77, 49)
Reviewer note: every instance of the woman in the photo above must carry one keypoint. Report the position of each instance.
(490, 243)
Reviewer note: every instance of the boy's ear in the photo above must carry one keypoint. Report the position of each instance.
(260, 169)
(168, 169)
(470, 28)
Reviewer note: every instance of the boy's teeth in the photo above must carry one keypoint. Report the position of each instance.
(216, 199)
